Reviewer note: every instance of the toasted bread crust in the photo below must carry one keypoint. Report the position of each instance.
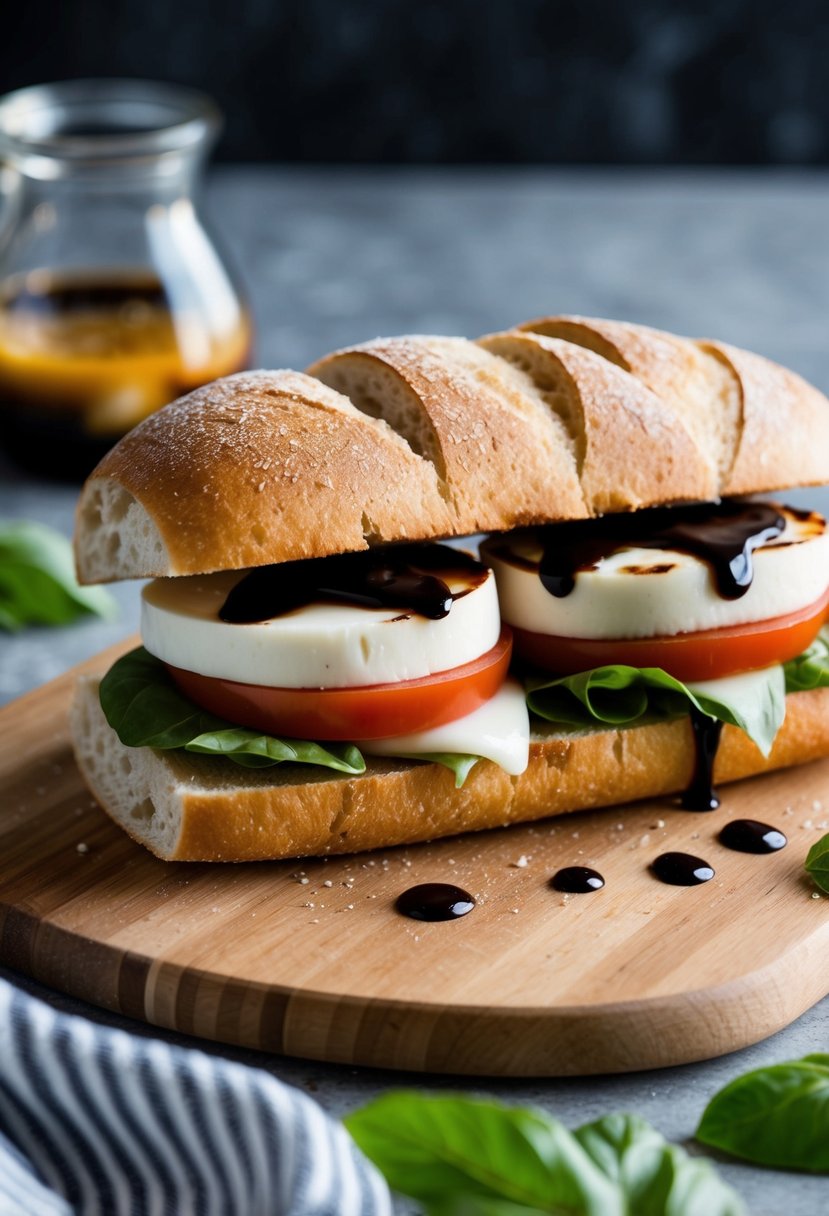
(194, 808)
(567, 418)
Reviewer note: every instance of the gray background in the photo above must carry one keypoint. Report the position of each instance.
(331, 257)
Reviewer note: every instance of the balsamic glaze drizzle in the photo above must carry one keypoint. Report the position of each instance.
(722, 534)
(435, 901)
(681, 869)
(700, 794)
(577, 880)
(409, 577)
(751, 836)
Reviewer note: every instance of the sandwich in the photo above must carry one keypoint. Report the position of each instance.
(328, 667)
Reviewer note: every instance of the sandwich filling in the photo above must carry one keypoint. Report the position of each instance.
(713, 610)
(400, 652)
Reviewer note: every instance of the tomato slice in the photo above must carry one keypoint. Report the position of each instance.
(377, 711)
(705, 655)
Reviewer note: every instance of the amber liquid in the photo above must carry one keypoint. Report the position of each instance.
(83, 358)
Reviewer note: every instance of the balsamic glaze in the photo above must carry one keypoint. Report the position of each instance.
(700, 794)
(409, 577)
(577, 880)
(435, 901)
(681, 869)
(751, 836)
(723, 534)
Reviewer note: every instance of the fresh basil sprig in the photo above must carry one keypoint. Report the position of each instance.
(817, 862)
(37, 579)
(145, 709)
(466, 1157)
(618, 695)
(810, 669)
(778, 1116)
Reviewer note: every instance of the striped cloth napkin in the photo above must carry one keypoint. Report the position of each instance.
(97, 1121)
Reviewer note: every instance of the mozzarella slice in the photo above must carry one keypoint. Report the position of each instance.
(497, 731)
(637, 593)
(319, 646)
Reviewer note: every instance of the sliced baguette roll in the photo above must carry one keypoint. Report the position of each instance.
(426, 437)
(195, 808)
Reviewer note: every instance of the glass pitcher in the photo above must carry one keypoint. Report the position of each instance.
(113, 298)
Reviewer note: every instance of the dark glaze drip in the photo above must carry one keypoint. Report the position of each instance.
(722, 534)
(681, 870)
(435, 901)
(399, 576)
(751, 836)
(577, 880)
(700, 794)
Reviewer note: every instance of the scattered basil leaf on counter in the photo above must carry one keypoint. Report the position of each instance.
(618, 695)
(461, 1155)
(145, 709)
(777, 1116)
(817, 862)
(810, 669)
(656, 1178)
(37, 579)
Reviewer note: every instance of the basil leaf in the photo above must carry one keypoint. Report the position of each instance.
(460, 1155)
(656, 1178)
(460, 765)
(618, 695)
(810, 669)
(145, 709)
(776, 1116)
(37, 579)
(255, 750)
(817, 862)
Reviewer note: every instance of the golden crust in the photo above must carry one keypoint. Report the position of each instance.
(271, 466)
(265, 467)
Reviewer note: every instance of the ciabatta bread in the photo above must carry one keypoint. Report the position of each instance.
(186, 807)
(413, 438)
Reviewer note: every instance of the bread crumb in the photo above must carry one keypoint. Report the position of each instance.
(816, 895)
(81, 847)
(660, 823)
(522, 862)
(327, 882)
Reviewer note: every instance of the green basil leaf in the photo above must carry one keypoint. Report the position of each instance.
(37, 579)
(777, 1116)
(255, 750)
(145, 709)
(460, 1155)
(817, 862)
(810, 669)
(460, 765)
(618, 695)
(656, 1178)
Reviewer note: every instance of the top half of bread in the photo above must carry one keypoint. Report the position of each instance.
(425, 437)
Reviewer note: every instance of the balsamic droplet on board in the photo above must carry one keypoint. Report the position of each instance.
(681, 869)
(751, 836)
(435, 901)
(577, 880)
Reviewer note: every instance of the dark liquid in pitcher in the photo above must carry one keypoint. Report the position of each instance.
(84, 357)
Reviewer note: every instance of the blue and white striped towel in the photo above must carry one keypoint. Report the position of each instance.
(97, 1121)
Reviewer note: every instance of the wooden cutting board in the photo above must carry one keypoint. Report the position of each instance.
(310, 959)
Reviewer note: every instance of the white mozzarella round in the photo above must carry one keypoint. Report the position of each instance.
(324, 645)
(637, 592)
(498, 730)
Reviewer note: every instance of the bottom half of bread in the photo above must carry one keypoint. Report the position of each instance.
(187, 807)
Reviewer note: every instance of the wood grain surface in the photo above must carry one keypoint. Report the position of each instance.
(310, 959)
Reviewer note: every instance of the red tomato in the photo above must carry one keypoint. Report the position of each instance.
(705, 655)
(377, 711)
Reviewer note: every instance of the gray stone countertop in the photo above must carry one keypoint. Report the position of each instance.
(336, 256)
